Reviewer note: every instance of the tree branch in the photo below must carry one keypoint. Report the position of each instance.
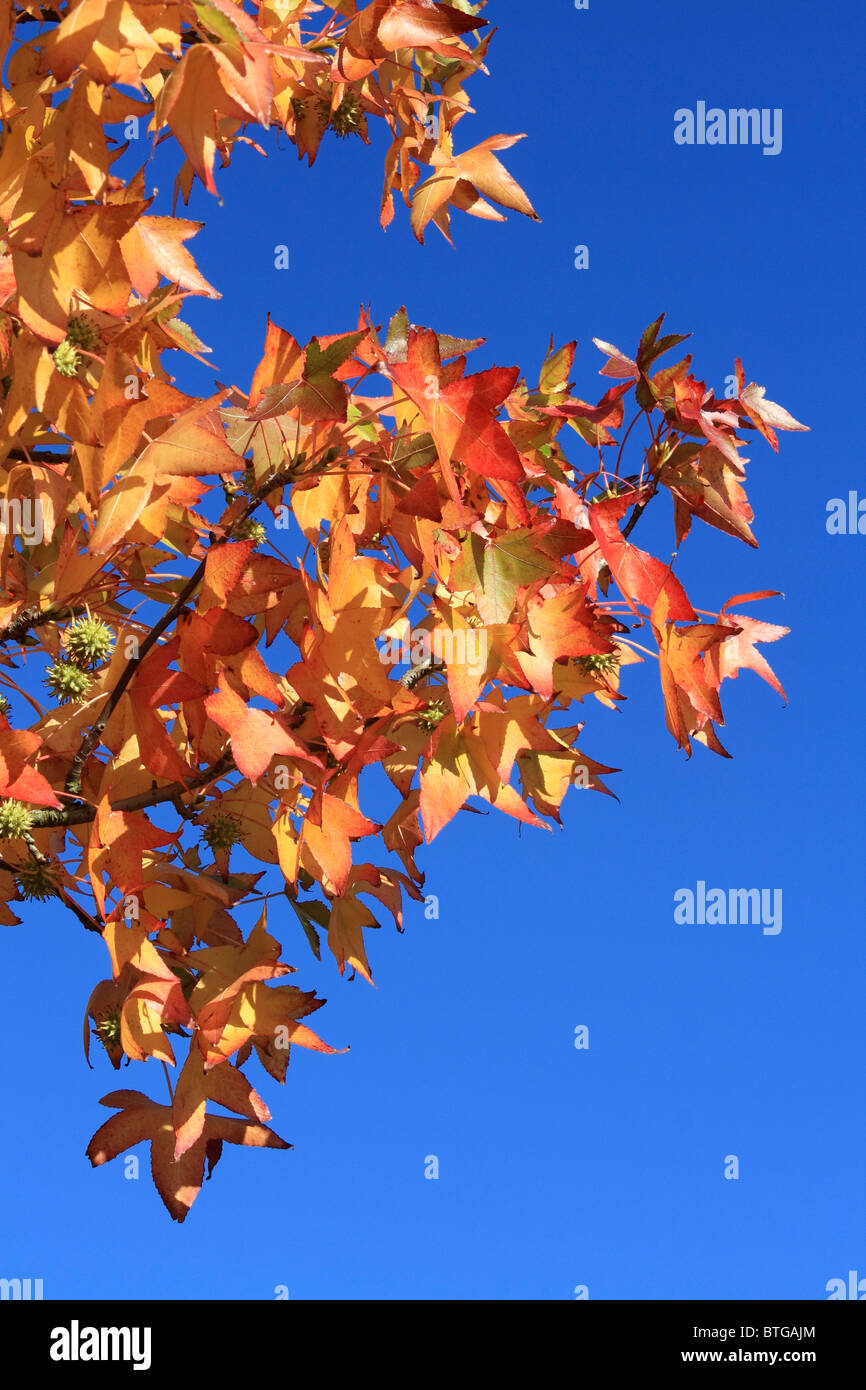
(44, 17)
(82, 814)
(91, 739)
(88, 922)
(34, 616)
(637, 514)
(38, 456)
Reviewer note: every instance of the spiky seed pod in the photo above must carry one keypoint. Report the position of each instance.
(432, 715)
(108, 1029)
(349, 117)
(36, 880)
(222, 831)
(81, 333)
(89, 641)
(5, 707)
(66, 358)
(15, 819)
(250, 530)
(67, 681)
(599, 663)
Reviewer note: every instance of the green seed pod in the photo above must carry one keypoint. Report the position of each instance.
(5, 707)
(89, 641)
(348, 119)
(108, 1029)
(250, 530)
(66, 358)
(222, 831)
(67, 681)
(15, 819)
(81, 333)
(36, 881)
(599, 664)
(432, 715)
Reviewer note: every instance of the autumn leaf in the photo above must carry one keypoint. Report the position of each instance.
(738, 652)
(178, 1180)
(256, 736)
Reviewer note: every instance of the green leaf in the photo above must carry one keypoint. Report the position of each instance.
(215, 22)
(644, 395)
(555, 372)
(497, 570)
(307, 913)
(455, 347)
(397, 341)
(318, 362)
(647, 340)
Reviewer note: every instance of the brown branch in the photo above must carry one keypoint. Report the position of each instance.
(88, 922)
(44, 17)
(77, 815)
(37, 456)
(34, 616)
(637, 514)
(82, 814)
(94, 734)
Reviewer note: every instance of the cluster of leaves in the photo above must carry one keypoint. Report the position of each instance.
(445, 503)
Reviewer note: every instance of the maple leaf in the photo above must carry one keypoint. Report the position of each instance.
(178, 1180)
(256, 737)
(689, 684)
(345, 934)
(329, 827)
(706, 484)
(641, 578)
(458, 766)
(18, 780)
(737, 652)
(154, 247)
(460, 412)
(762, 413)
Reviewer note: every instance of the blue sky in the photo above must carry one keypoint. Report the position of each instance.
(558, 1167)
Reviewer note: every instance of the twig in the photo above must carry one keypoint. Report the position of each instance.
(83, 813)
